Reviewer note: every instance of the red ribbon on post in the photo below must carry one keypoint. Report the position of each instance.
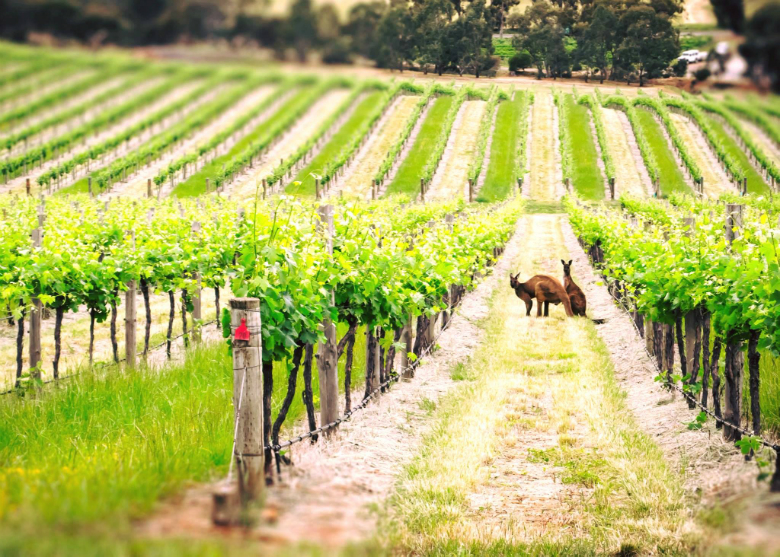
(242, 333)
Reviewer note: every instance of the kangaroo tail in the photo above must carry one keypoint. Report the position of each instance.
(567, 304)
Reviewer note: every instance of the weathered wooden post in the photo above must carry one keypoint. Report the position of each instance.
(27, 186)
(130, 316)
(208, 185)
(612, 188)
(197, 315)
(248, 397)
(327, 353)
(149, 188)
(408, 340)
(734, 357)
(35, 321)
(422, 189)
(471, 190)
(89, 186)
(316, 188)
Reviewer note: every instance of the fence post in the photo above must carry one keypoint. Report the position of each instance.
(612, 188)
(408, 340)
(27, 186)
(471, 190)
(422, 189)
(327, 355)
(35, 321)
(734, 357)
(248, 397)
(130, 317)
(89, 186)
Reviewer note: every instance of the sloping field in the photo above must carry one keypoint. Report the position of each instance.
(358, 183)
(544, 172)
(451, 179)
(407, 179)
(627, 177)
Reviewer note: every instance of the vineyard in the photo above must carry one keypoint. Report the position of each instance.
(236, 296)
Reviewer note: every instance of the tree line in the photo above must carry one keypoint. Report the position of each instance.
(631, 40)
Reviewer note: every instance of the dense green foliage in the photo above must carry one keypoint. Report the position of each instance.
(578, 149)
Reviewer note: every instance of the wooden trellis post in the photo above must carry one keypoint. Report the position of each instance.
(248, 397)
(612, 188)
(197, 315)
(130, 317)
(35, 321)
(327, 354)
(422, 190)
(734, 356)
(471, 190)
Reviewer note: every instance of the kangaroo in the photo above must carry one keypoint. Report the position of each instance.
(577, 298)
(546, 289)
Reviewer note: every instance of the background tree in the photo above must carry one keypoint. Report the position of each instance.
(499, 11)
(650, 42)
(730, 14)
(598, 40)
(301, 28)
(541, 33)
(520, 61)
(474, 39)
(395, 36)
(361, 27)
(433, 22)
(761, 48)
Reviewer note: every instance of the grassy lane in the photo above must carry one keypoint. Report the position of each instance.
(586, 173)
(755, 182)
(627, 177)
(407, 180)
(500, 177)
(544, 175)
(537, 453)
(671, 177)
(334, 146)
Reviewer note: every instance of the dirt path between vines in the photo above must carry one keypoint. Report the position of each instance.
(326, 496)
(545, 175)
(628, 178)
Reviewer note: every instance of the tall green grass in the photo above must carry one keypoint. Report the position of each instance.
(500, 175)
(671, 177)
(196, 184)
(407, 179)
(102, 449)
(755, 181)
(587, 178)
(334, 146)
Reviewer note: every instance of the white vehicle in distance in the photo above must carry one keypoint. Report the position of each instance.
(692, 56)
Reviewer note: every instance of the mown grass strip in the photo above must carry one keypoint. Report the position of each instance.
(670, 175)
(363, 111)
(585, 172)
(502, 172)
(407, 179)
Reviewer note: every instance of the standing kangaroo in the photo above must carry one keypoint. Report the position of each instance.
(545, 289)
(577, 298)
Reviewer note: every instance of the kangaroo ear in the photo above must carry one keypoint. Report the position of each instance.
(570, 260)
(563, 262)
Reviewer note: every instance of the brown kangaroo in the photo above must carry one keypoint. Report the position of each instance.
(546, 289)
(576, 296)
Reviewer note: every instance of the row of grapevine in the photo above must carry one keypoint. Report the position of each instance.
(595, 109)
(130, 82)
(111, 116)
(522, 143)
(731, 167)
(759, 157)
(681, 149)
(564, 139)
(390, 159)
(428, 171)
(756, 116)
(238, 124)
(60, 95)
(121, 167)
(485, 129)
(702, 286)
(641, 140)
